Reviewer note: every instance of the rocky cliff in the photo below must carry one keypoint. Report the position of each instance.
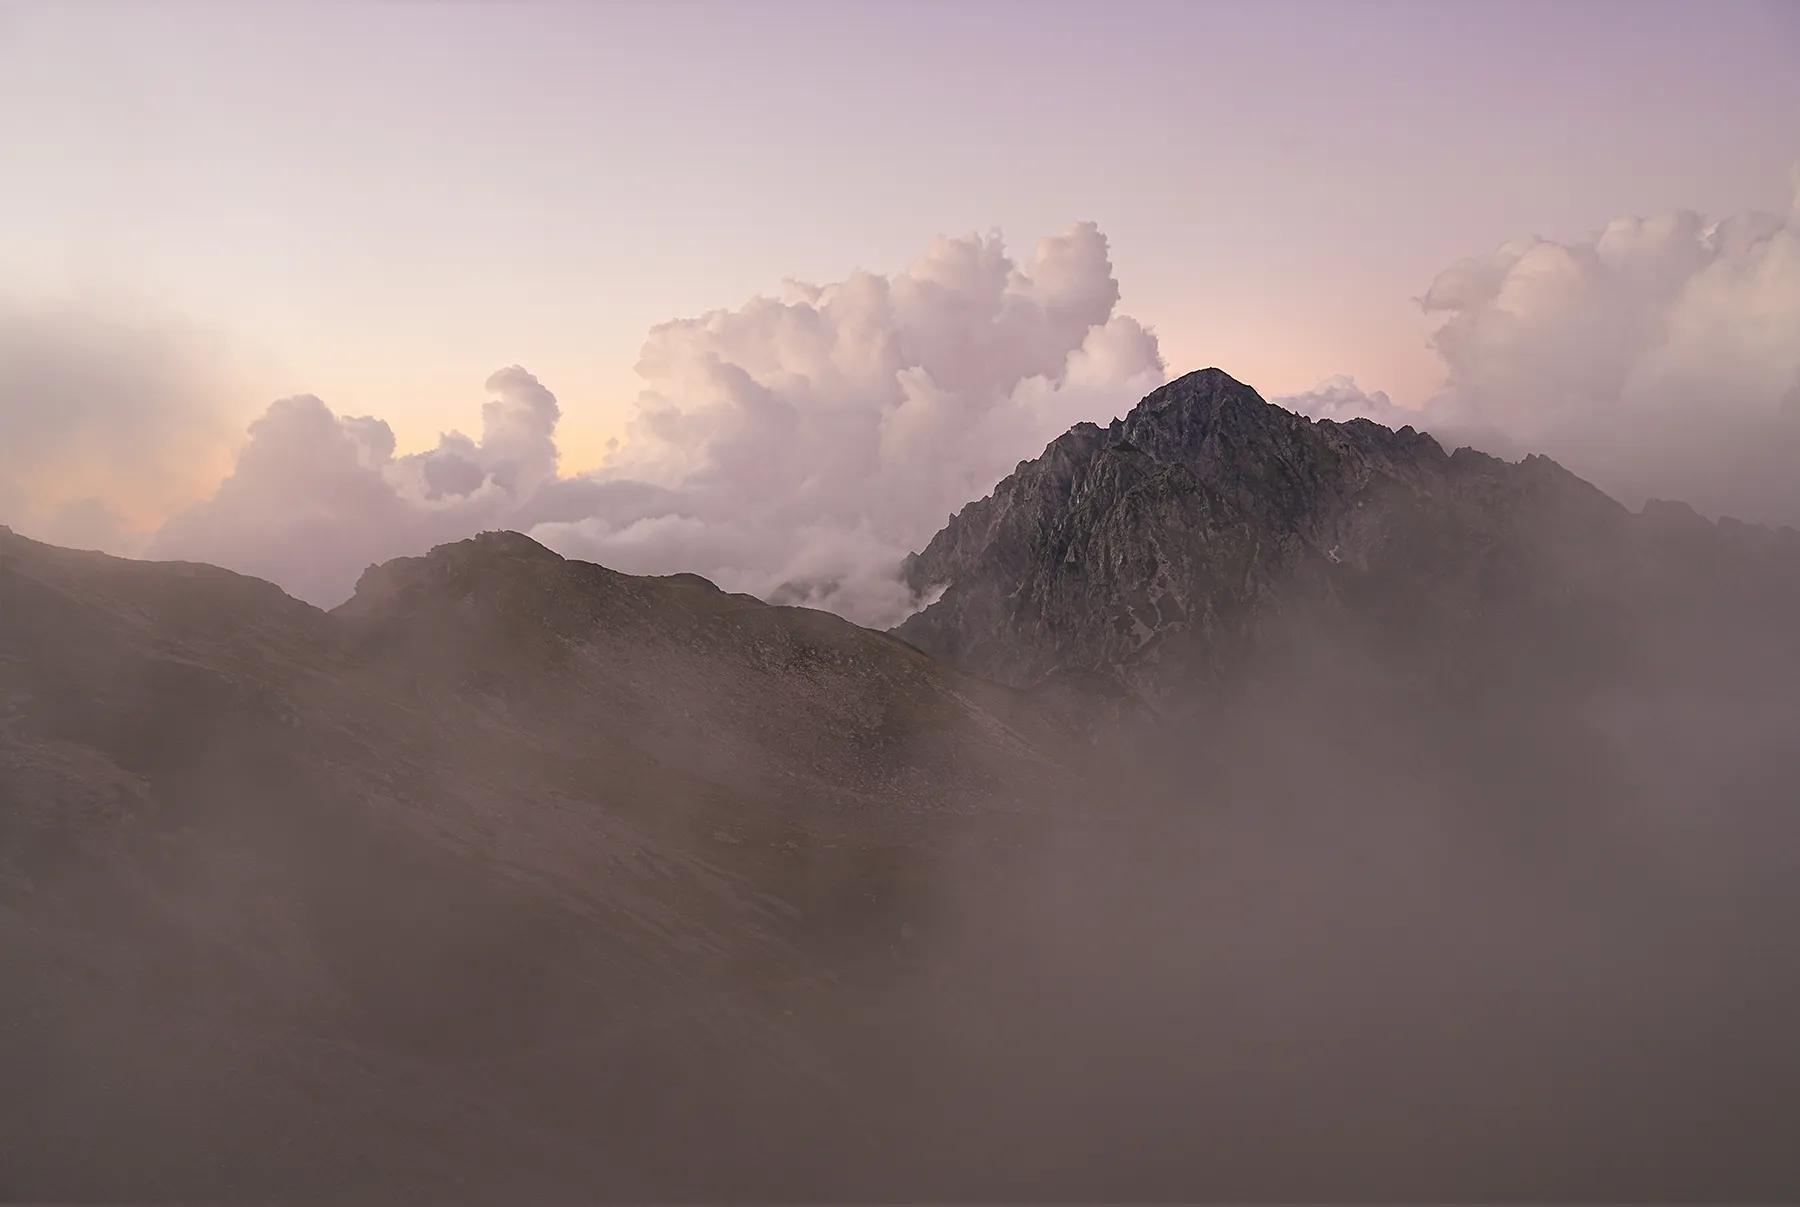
(1187, 539)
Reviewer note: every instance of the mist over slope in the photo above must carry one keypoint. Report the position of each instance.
(1291, 810)
(1462, 815)
(497, 880)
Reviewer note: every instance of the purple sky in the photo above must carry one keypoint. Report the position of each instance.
(383, 203)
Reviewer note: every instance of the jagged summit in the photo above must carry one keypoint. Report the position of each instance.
(1209, 404)
(1168, 520)
(1160, 548)
(1204, 393)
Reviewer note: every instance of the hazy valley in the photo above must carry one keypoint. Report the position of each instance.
(1261, 808)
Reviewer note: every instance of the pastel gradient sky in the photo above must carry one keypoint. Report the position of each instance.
(716, 287)
(383, 202)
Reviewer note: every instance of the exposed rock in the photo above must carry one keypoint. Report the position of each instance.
(1174, 547)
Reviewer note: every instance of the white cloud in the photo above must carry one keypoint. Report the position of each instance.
(799, 447)
(796, 447)
(1658, 357)
(315, 497)
(1341, 399)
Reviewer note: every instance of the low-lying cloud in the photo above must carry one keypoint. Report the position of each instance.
(1658, 357)
(798, 447)
(795, 448)
(110, 415)
(316, 497)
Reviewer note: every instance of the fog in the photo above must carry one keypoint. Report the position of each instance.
(1345, 951)
(1343, 932)
(112, 413)
(553, 887)
(1354, 925)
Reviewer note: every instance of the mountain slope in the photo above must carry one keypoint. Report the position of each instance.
(1517, 763)
(507, 853)
(1208, 527)
(1454, 860)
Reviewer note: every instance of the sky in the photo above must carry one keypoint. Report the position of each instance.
(389, 208)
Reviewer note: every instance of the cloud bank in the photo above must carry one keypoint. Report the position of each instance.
(795, 448)
(798, 447)
(110, 416)
(316, 497)
(1657, 357)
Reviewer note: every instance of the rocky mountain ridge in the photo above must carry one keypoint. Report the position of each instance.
(1157, 551)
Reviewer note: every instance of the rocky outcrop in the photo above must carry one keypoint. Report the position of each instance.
(1172, 546)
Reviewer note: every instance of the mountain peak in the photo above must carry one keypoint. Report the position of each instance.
(1195, 402)
(1201, 385)
(495, 543)
(1154, 548)
(455, 570)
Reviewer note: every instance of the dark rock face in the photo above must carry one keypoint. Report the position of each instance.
(1170, 547)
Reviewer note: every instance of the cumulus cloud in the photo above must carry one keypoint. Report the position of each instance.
(110, 415)
(316, 497)
(798, 447)
(1657, 357)
(795, 448)
(1341, 399)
